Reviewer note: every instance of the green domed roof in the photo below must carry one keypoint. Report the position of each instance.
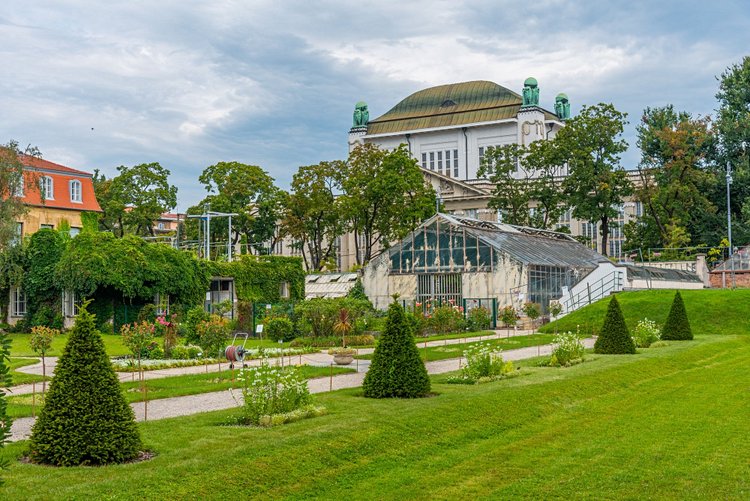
(561, 95)
(531, 81)
(449, 105)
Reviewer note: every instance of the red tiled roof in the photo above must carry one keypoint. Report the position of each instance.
(61, 178)
(39, 163)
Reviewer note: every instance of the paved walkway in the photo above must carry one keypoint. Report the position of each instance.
(320, 359)
(205, 402)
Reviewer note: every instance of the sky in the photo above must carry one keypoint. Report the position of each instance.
(96, 85)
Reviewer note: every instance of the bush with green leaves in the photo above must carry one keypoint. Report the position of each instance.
(269, 390)
(567, 348)
(5, 381)
(446, 318)
(328, 342)
(318, 316)
(614, 337)
(137, 337)
(396, 369)
(193, 317)
(677, 326)
(478, 319)
(186, 352)
(85, 419)
(484, 361)
(280, 329)
(532, 310)
(213, 336)
(646, 333)
(509, 316)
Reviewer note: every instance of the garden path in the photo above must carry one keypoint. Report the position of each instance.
(309, 358)
(205, 402)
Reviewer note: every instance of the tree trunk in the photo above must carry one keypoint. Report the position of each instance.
(44, 375)
(605, 235)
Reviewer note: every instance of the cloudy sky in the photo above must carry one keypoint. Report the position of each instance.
(273, 83)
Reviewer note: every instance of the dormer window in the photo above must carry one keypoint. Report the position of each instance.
(47, 188)
(75, 191)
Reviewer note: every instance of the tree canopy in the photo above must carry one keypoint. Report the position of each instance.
(13, 182)
(596, 185)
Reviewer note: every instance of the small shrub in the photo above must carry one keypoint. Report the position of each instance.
(533, 311)
(5, 380)
(167, 328)
(280, 329)
(137, 338)
(677, 326)
(212, 336)
(271, 390)
(396, 369)
(41, 342)
(478, 319)
(659, 344)
(614, 337)
(85, 419)
(147, 313)
(193, 317)
(645, 333)
(509, 316)
(186, 352)
(446, 318)
(154, 351)
(482, 360)
(567, 348)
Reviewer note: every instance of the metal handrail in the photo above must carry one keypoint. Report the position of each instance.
(605, 285)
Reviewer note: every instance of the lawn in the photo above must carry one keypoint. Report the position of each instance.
(21, 377)
(705, 308)
(20, 345)
(174, 386)
(667, 423)
(433, 353)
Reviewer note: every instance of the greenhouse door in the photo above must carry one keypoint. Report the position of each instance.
(439, 288)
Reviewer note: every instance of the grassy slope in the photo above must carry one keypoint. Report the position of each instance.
(174, 386)
(705, 309)
(666, 423)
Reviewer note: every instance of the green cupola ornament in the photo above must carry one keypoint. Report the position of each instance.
(530, 93)
(361, 115)
(562, 106)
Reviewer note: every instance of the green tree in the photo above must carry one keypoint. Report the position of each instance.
(133, 200)
(245, 190)
(384, 197)
(396, 369)
(733, 128)
(675, 179)
(596, 185)
(677, 326)
(44, 250)
(614, 337)
(85, 419)
(312, 216)
(14, 181)
(512, 194)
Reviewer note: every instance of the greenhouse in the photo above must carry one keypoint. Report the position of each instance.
(463, 260)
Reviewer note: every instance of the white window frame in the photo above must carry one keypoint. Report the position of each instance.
(20, 190)
(48, 187)
(70, 304)
(17, 303)
(76, 188)
(161, 301)
(284, 290)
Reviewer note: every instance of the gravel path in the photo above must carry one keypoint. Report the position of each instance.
(205, 402)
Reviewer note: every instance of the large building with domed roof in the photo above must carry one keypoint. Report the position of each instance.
(448, 128)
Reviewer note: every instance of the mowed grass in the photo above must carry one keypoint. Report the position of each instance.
(667, 423)
(20, 345)
(711, 311)
(433, 353)
(173, 386)
(22, 377)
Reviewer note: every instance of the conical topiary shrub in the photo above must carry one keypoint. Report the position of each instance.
(85, 419)
(396, 369)
(614, 338)
(677, 327)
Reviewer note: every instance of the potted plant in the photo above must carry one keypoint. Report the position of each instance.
(342, 356)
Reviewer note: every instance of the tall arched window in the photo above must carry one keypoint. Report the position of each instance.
(75, 191)
(48, 188)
